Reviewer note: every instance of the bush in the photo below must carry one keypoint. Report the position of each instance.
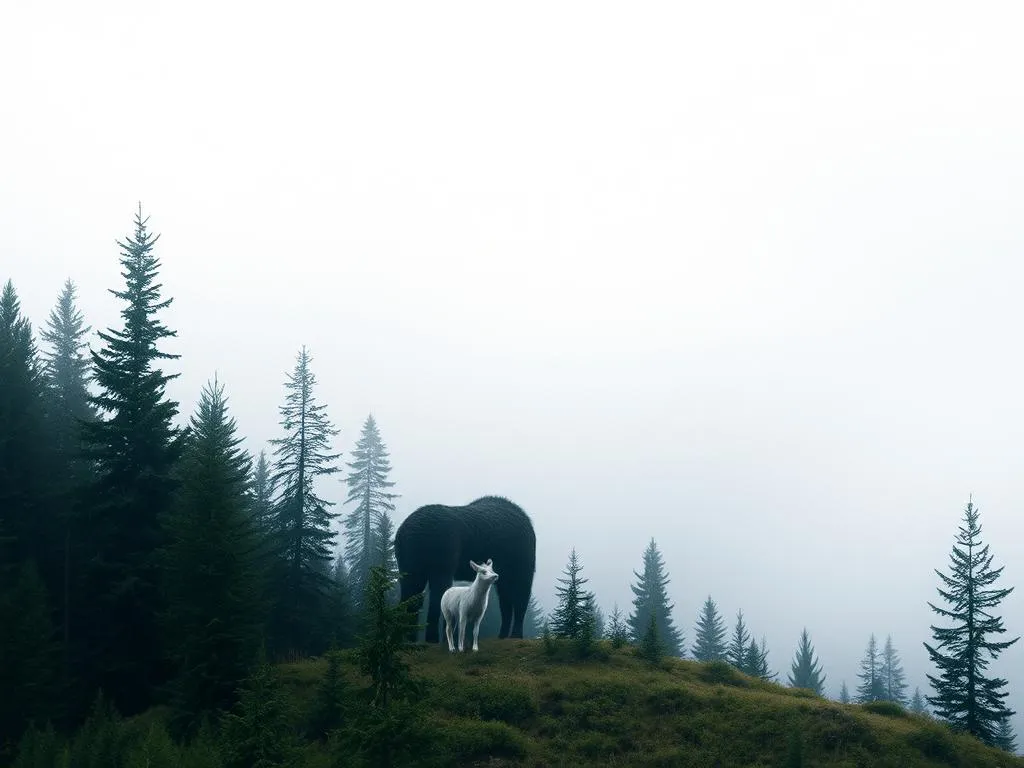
(722, 673)
(492, 700)
(887, 708)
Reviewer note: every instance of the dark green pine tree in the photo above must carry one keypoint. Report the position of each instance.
(917, 704)
(599, 620)
(533, 624)
(894, 682)
(135, 448)
(844, 694)
(651, 597)
(736, 653)
(573, 601)
(214, 619)
(871, 687)
(261, 491)
(344, 614)
(1006, 739)
(368, 485)
(618, 632)
(67, 373)
(710, 640)
(24, 456)
(757, 660)
(302, 520)
(965, 696)
(806, 670)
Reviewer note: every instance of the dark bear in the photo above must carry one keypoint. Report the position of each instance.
(436, 542)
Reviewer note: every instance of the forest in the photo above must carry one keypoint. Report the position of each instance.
(148, 561)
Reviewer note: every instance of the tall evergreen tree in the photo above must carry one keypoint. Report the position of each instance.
(570, 613)
(650, 596)
(1006, 739)
(736, 653)
(135, 448)
(262, 495)
(302, 519)
(67, 374)
(964, 696)
(871, 687)
(806, 670)
(844, 694)
(894, 682)
(757, 660)
(618, 632)
(368, 485)
(710, 641)
(533, 624)
(214, 619)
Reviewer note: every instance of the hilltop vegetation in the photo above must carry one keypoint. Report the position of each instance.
(527, 703)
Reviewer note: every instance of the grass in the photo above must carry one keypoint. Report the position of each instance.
(511, 704)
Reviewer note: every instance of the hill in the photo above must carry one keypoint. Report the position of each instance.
(511, 704)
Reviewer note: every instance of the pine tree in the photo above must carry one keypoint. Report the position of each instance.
(651, 597)
(806, 670)
(736, 653)
(917, 704)
(258, 730)
(710, 642)
(214, 618)
(135, 448)
(573, 600)
(262, 495)
(1006, 739)
(302, 520)
(757, 660)
(384, 645)
(533, 624)
(368, 487)
(844, 694)
(650, 647)
(964, 696)
(344, 614)
(599, 621)
(870, 688)
(618, 632)
(67, 373)
(894, 683)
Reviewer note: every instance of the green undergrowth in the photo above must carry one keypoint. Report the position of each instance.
(514, 704)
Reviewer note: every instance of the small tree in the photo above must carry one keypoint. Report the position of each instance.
(383, 646)
(650, 597)
(329, 700)
(617, 631)
(964, 696)
(710, 641)
(533, 624)
(736, 653)
(258, 731)
(917, 704)
(894, 683)
(1006, 739)
(844, 694)
(806, 671)
(870, 688)
(651, 647)
(573, 601)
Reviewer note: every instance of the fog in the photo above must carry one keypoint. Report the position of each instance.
(741, 277)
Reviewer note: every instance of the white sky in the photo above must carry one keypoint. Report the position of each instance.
(739, 276)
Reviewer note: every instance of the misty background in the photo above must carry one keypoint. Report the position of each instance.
(741, 278)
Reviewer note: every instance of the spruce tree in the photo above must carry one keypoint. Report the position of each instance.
(871, 687)
(917, 704)
(302, 519)
(368, 485)
(710, 640)
(651, 648)
(134, 447)
(964, 696)
(894, 683)
(736, 653)
(650, 597)
(806, 670)
(214, 618)
(1006, 739)
(67, 373)
(533, 624)
(757, 660)
(573, 600)
(844, 694)
(599, 621)
(261, 493)
(618, 632)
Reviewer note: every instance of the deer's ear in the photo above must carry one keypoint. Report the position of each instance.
(489, 561)
(474, 566)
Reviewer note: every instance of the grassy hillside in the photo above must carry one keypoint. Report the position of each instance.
(511, 704)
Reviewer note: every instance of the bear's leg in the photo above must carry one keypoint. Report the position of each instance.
(521, 603)
(505, 604)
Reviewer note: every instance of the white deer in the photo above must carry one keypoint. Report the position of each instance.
(467, 604)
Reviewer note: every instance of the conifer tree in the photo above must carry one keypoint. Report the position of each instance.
(618, 632)
(258, 730)
(368, 487)
(262, 495)
(214, 618)
(710, 640)
(134, 447)
(599, 620)
(917, 704)
(573, 600)
(894, 683)
(650, 648)
(651, 597)
(302, 519)
(964, 696)
(67, 374)
(870, 675)
(736, 653)
(384, 645)
(344, 612)
(844, 694)
(806, 670)
(757, 660)
(533, 624)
